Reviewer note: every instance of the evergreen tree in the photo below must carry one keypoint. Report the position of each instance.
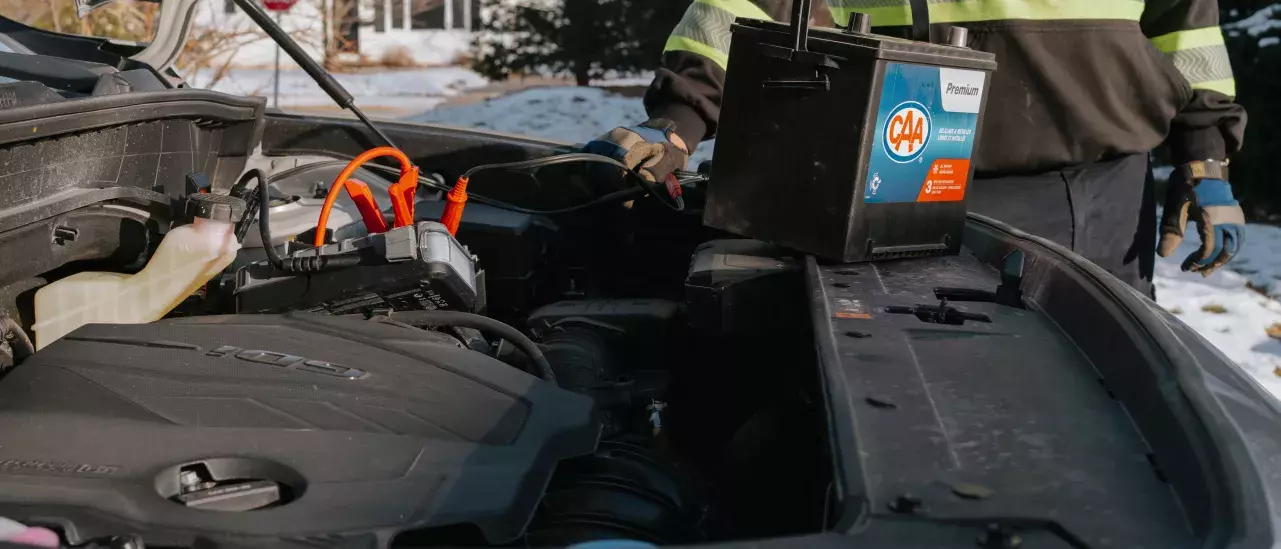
(1252, 29)
(585, 39)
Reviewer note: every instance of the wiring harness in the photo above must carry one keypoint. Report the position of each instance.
(403, 196)
(642, 188)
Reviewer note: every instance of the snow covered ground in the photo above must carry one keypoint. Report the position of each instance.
(402, 92)
(564, 113)
(1230, 308)
(408, 92)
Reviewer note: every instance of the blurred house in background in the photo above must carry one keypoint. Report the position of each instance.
(360, 32)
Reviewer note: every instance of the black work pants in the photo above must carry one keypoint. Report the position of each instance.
(1105, 212)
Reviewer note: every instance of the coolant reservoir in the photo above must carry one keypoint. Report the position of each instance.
(187, 258)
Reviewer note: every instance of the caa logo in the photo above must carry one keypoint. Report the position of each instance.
(907, 132)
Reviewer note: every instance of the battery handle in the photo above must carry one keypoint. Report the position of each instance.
(808, 57)
(800, 23)
(815, 84)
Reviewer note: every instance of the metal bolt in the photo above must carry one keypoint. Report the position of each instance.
(999, 537)
(189, 479)
(907, 504)
(940, 314)
(126, 542)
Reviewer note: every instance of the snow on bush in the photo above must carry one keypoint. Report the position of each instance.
(1264, 21)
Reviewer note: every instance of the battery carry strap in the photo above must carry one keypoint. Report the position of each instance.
(920, 20)
(801, 21)
(800, 24)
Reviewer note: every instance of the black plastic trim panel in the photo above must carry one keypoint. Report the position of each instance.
(427, 434)
(75, 199)
(1191, 398)
(1092, 416)
(70, 46)
(49, 120)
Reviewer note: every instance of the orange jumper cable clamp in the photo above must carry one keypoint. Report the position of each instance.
(402, 194)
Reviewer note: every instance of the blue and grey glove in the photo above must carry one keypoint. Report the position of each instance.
(652, 149)
(1209, 203)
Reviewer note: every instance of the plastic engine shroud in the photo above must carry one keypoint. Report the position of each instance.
(372, 429)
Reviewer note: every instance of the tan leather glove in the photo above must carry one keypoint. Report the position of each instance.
(652, 149)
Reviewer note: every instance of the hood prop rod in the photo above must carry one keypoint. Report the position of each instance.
(326, 81)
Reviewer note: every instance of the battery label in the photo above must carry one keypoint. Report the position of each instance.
(924, 134)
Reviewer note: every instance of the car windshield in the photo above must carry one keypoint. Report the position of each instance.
(123, 20)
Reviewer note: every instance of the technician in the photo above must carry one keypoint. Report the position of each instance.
(1083, 91)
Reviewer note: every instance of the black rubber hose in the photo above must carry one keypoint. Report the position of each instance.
(292, 264)
(440, 319)
(264, 217)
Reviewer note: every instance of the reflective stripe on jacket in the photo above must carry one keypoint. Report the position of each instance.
(1079, 81)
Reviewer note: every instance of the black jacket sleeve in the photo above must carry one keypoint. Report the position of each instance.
(1206, 123)
(1211, 125)
(687, 88)
(687, 91)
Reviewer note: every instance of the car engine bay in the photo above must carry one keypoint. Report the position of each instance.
(227, 326)
(267, 400)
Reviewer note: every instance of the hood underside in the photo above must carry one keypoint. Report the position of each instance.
(172, 29)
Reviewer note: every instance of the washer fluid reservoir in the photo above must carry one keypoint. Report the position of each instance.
(187, 258)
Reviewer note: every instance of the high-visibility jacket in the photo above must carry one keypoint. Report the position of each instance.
(1078, 81)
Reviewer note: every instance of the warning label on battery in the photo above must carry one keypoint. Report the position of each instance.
(924, 135)
(945, 181)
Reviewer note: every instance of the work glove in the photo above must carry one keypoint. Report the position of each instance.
(652, 149)
(1219, 220)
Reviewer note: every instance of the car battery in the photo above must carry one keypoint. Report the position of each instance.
(844, 144)
(417, 267)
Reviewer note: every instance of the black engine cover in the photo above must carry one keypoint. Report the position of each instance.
(373, 429)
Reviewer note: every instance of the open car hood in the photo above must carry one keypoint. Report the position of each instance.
(83, 7)
(171, 33)
(172, 29)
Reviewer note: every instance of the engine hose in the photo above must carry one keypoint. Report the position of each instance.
(292, 264)
(440, 319)
(264, 218)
